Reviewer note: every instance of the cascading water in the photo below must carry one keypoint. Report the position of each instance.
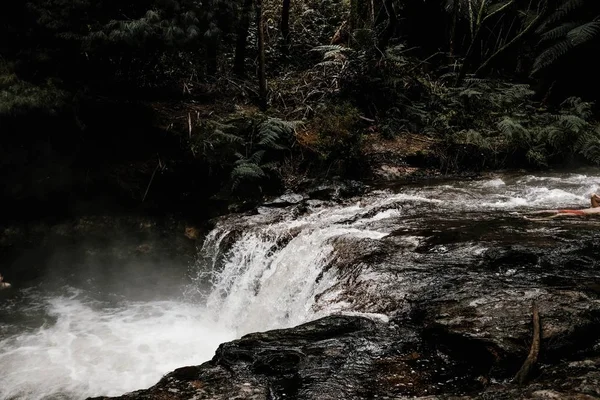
(265, 285)
(270, 270)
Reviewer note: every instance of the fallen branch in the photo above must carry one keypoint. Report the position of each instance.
(523, 374)
(152, 179)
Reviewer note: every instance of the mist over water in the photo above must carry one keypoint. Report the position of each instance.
(95, 335)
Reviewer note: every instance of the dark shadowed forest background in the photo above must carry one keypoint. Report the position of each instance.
(178, 104)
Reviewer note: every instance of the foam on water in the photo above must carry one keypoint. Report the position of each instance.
(91, 350)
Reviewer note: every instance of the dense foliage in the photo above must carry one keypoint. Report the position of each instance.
(492, 83)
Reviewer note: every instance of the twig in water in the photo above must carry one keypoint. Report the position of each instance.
(523, 374)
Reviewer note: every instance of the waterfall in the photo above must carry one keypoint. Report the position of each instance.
(269, 277)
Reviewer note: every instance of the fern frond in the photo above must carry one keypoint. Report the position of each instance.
(470, 93)
(331, 48)
(227, 137)
(513, 130)
(493, 8)
(473, 137)
(330, 63)
(257, 157)
(537, 156)
(572, 123)
(518, 91)
(271, 166)
(564, 10)
(551, 54)
(554, 136)
(245, 170)
(332, 55)
(476, 81)
(274, 130)
(581, 108)
(588, 146)
(583, 33)
(558, 32)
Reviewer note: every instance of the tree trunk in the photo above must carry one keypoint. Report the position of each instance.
(483, 68)
(239, 62)
(360, 14)
(476, 30)
(467, 60)
(285, 25)
(212, 51)
(454, 23)
(260, 39)
(392, 20)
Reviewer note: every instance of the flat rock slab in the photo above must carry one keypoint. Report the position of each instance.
(457, 299)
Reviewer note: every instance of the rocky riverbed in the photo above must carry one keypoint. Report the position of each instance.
(420, 293)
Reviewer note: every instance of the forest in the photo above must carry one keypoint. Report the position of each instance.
(180, 102)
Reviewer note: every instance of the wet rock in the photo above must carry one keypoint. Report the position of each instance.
(337, 357)
(498, 323)
(344, 357)
(285, 200)
(335, 190)
(453, 298)
(513, 256)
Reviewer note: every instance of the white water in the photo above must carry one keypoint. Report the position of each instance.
(91, 350)
(267, 279)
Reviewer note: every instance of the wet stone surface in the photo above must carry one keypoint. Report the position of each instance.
(425, 299)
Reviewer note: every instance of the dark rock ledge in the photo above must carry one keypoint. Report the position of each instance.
(348, 357)
(460, 326)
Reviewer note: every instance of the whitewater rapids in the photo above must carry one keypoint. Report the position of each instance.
(254, 272)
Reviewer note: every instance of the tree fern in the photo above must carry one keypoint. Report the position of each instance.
(566, 34)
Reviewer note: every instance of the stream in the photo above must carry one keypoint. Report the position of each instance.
(455, 256)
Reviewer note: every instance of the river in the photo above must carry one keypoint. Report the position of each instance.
(86, 334)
